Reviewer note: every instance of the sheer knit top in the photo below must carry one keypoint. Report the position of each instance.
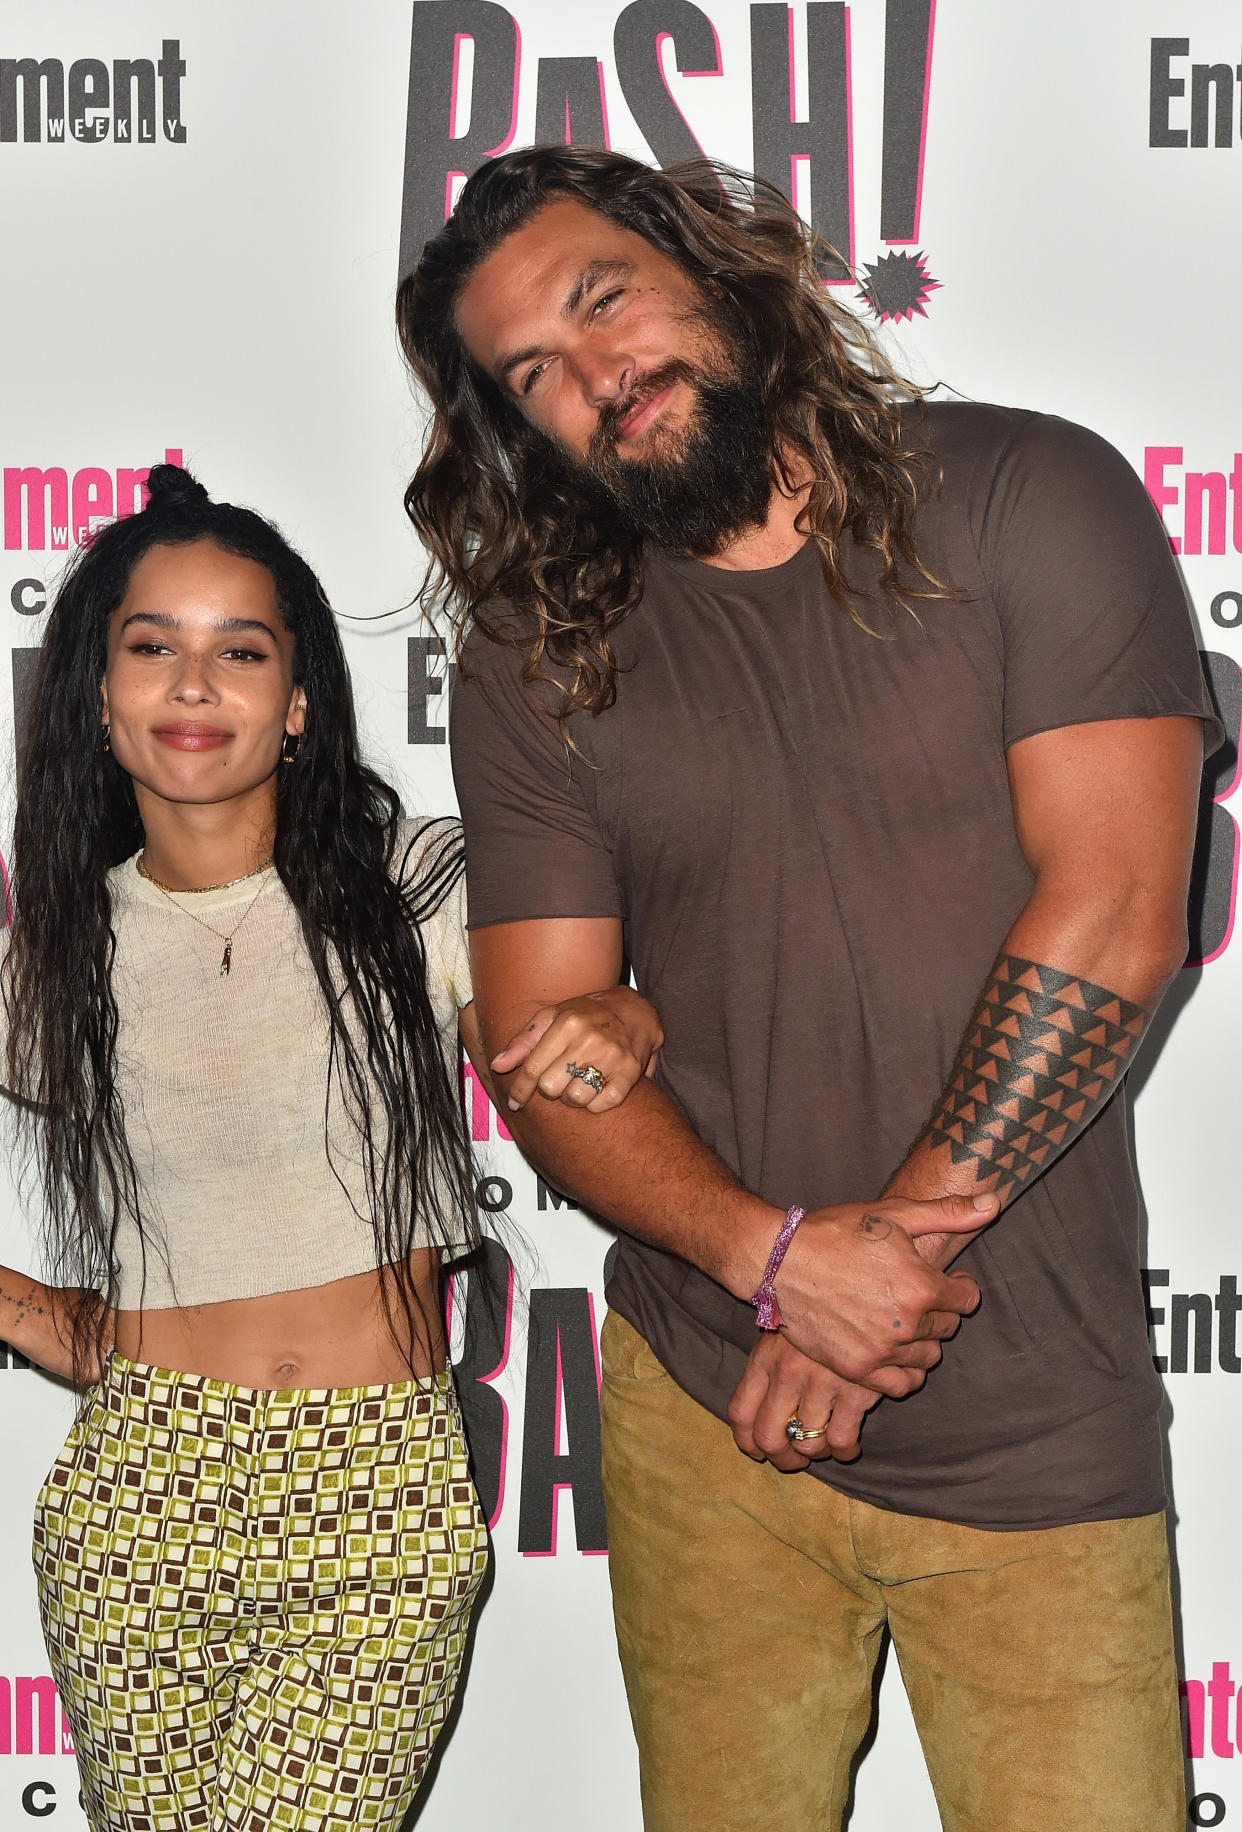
(250, 1170)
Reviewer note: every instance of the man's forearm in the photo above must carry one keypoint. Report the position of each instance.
(1105, 815)
(644, 1169)
(853, 1290)
(1045, 1050)
(1042, 1054)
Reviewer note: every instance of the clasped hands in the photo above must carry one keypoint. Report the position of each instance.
(864, 1316)
(865, 1310)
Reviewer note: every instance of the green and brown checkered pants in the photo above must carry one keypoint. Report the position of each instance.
(256, 1602)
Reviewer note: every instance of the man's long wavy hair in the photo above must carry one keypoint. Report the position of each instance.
(336, 853)
(507, 530)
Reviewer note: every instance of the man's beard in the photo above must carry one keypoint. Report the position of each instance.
(713, 478)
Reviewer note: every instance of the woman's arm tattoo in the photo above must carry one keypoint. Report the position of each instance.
(1042, 1054)
(23, 1307)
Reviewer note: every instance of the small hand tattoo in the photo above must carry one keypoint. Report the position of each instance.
(875, 1227)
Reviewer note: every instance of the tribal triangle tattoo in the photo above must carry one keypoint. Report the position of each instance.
(1042, 1054)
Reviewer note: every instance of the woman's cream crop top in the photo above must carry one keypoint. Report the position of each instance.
(223, 1080)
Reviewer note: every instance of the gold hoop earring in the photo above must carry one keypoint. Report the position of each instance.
(107, 738)
(287, 755)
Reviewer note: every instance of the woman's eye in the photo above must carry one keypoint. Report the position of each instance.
(245, 655)
(148, 648)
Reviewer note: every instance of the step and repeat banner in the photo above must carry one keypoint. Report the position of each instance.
(203, 215)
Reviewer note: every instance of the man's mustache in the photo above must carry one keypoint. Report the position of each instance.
(613, 414)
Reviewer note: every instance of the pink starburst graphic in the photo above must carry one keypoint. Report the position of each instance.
(898, 286)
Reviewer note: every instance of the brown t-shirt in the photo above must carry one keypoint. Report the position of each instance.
(805, 825)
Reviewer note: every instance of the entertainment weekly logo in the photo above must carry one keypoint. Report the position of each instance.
(1193, 1332)
(45, 507)
(32, 1718)
(468, 78)
(1202, 515)
(1202, 510)
(1208, 114)
(92, 101)
(1211, 1728)
(33, 1723)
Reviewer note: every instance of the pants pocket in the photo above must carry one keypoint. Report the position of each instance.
(53, 1491)
(624, 1355)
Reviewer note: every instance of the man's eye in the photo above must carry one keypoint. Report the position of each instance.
(532, 376)
(605, 300)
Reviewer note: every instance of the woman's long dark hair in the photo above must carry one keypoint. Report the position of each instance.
(335, 847)
(505, 528)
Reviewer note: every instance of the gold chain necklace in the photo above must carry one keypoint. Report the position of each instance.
(226, 959)
(198, 890)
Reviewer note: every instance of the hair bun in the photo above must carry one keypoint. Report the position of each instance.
(171, 487)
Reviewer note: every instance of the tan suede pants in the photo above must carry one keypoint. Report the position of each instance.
(750, 1608)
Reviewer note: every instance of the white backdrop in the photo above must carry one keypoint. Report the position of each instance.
(210, 268)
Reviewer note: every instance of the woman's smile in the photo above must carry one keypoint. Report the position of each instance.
(191, 735)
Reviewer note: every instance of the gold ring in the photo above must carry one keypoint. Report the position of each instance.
(587, 1072)
(798, 1433)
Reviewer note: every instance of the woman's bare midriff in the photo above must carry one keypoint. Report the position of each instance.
(334, 1335)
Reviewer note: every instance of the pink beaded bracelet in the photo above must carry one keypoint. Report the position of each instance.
(764, 1300)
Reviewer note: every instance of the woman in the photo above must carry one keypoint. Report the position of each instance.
(232, 990)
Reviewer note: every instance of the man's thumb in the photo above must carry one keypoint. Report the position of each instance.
(954, 1214)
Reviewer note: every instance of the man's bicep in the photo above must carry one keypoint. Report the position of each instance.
(519, 966)
(534, 851)
(1119, 795)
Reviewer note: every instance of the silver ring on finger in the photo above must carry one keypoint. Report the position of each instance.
(587, 1072)
(798, 1433)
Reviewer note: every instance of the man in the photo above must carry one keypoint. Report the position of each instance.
(870, 732)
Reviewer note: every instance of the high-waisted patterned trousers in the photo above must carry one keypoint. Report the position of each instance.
(256, 1603)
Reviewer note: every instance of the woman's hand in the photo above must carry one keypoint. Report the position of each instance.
(616, 1032)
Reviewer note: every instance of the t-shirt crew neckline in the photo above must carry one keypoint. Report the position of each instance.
(769, 580)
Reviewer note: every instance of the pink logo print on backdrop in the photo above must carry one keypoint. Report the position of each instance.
(1210, 501)
(27, 1701)
(42, 508)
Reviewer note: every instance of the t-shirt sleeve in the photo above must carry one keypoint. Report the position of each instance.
(533, 847)
(427, 864)
(453, 946)
(1093, 616)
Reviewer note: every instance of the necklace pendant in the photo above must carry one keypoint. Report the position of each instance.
(227, 960)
